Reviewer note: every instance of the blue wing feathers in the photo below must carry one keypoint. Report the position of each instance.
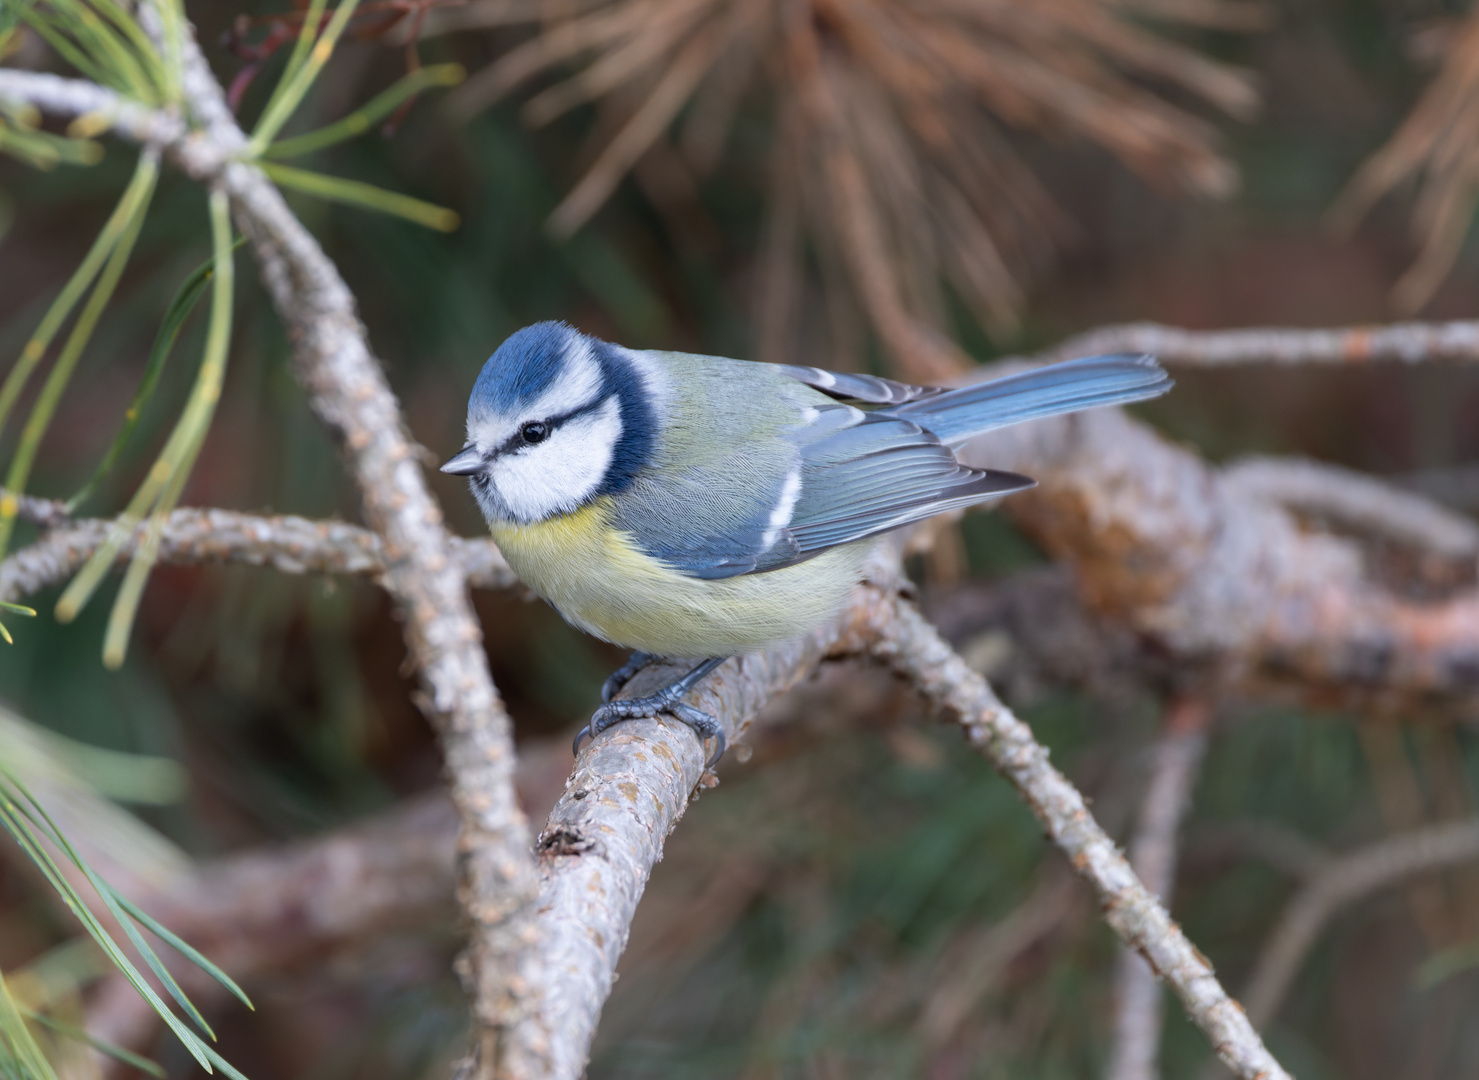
(893, 467)
(881, 473)
(1030, 395)
(973, 487)
(862, 471)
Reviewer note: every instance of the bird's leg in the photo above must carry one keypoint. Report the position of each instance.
(623, 675)
(664, 700)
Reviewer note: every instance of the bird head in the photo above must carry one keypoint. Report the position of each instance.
(555, 419)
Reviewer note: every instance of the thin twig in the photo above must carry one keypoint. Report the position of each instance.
(1177, 758)
(348, 391)
(47, 513)
(103, 109)
(289, 544)
(975, 965)
(1346, 880)
(1274, 844)
(1409, 342)
(912, 647)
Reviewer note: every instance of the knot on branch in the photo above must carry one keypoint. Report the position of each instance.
(565, 841)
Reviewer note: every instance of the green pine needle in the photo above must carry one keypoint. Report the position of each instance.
(29, 825)
(47, 401)
(162, 487)
(356, 193)
(61, 307)
(376, 109)
(301, 71)
(25, 1053)
(103, 1046)
(180, 307)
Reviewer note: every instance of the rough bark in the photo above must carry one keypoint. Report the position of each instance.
(289, 544)
(1227, 581)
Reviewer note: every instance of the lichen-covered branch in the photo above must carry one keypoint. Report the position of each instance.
(76, 97)
(1229, 581)
(910, 645)
(1176, 759)
(293, 545)
(1357, 502)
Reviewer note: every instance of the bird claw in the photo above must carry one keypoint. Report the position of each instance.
(706, 727)
(580, 736)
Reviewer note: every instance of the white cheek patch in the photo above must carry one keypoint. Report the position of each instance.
(557, 475)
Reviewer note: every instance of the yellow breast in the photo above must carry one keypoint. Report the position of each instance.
(599, 580)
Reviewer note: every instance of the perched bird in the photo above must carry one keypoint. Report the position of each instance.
(695, 506)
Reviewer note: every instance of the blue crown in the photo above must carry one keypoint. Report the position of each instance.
(522, 368)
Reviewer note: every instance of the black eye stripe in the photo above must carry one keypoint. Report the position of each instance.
(518, 438)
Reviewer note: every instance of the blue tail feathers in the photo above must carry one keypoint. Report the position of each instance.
(1058, 388)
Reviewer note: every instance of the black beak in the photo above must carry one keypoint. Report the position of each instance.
(467, 461)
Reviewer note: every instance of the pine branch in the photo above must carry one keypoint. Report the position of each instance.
(1358, 502)
(1207, 570)
(289, 544)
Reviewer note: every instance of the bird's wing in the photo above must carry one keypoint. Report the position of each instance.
(863, 389)
(873, 472)
(750, 490)
(856, 474)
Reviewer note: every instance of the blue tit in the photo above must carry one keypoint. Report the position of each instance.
(696, 506)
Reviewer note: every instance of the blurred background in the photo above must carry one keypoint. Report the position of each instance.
(819, 195)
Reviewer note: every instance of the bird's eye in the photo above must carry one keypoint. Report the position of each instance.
(535, 432)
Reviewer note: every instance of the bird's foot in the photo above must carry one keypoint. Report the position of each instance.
(665, 700)
(623, 675)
